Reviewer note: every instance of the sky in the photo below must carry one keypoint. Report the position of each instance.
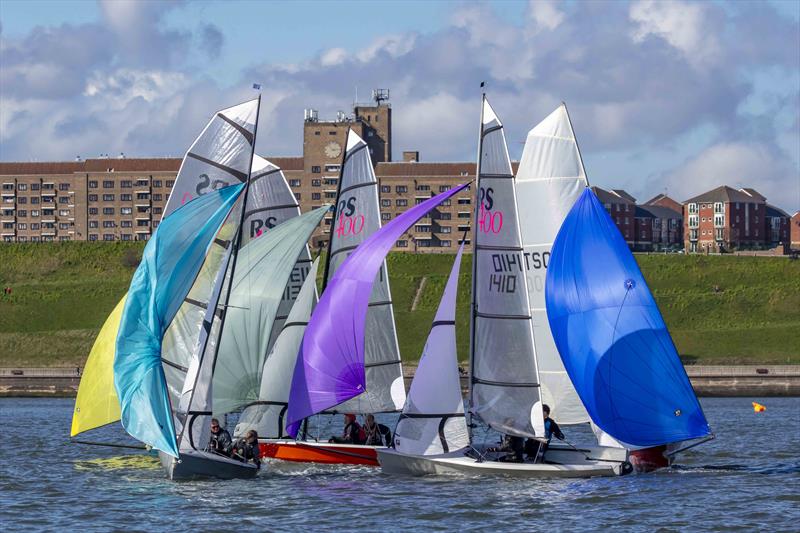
(665, 96)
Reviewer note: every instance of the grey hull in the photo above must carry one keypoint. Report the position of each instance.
(197, 465)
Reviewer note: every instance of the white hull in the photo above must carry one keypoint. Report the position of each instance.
(199, 464)
(560, 462)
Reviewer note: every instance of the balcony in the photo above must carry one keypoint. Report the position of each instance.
(8, 194)
(49, 192)
(48, 233)
(142, 230)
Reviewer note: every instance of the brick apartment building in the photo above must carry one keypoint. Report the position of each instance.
(794, 231)
(725, 218)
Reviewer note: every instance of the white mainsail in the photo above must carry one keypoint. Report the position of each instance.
(433, 420)
(266, 415)
(549, 180)
(504, 390)
(357, 217)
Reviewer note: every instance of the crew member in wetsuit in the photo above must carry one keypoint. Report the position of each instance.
(351, 433)
(535, 449)
(376, 434)
(220, 441)
(246, 449)
(513, 446)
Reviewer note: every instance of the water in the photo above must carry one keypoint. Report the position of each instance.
(748, 478)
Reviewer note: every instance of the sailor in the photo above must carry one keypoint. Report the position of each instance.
(513, 446)
(376, 434)
(220, 441)
(246, 449)
(535, 449)
(351, 433)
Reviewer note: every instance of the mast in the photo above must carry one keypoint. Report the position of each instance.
(577, 146)
(473, 305)
(335, 213)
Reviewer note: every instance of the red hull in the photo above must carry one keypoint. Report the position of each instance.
(318, 452)
(649, 459)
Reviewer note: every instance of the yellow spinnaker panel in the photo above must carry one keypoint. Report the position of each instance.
(97, 403)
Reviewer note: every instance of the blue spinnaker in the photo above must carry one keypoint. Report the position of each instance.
(611, 336)
(170, 263)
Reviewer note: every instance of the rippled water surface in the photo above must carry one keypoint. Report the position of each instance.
(748, 478)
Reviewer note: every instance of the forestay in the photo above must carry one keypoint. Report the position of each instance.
(357, 217)
(549, 180)
(504, 377)
(330, 369)
(433, 420)
(611, 336)
(263, 267)
(271, 202)
(267, 415)
(170, 263)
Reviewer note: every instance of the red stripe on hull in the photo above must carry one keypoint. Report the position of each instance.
(302, 452)
(649, 459)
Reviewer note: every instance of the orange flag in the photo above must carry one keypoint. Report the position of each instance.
(758, 408)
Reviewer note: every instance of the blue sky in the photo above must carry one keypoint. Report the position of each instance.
(670, 95)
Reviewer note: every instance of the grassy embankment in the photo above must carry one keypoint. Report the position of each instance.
(62, 293)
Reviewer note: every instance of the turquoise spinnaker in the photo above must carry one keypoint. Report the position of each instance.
(170, 263)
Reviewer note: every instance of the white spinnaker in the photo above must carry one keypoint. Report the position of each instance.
(504, 378)
(220, 156)
(433, 420)
(266, 415)
(358, 216)
(549, 180)
(263, 267)
(271, 202)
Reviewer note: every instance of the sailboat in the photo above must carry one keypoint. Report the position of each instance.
(357, 217)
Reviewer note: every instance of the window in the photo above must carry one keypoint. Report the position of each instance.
(34, 213)
(444, 216)
(22, 213)
(422, 228)
(386, 216)
(386, 188)
(447, 202)
(35, 200)
(400, 202)
(35, 186)
(63, 225)
(108, 210)
(719, 207)
(756, 218)
(93, 223)
(63, 186)
(8, 186)
(126, 236)
(92, 236)
(108, 223)
(22, 186)
(316, 196)
(756, 208)
(63, 200)
(316, 169)
(445, 244)
(464, 214)
(418, 201)
(126, 197)
(423, 187)
(464, 201)
(22, 226)
(331, 181)
(400, 189)
(330, 194)
(157, 210)
(21, 200)
(332, 168)
(719, 234)
(92, 197)
(108, 236)
(692, 208)
(463, 228)
(63, 212)
(126, 224)
(443, 188)
(156, 183)
(142, 195)
(92, 184)
(125, 210)
(294, 183)
(402, 244)
(332, 132)
(108, 184)
(157, 197)
(8, 225)
(142, 182)
(316, 133)
(316, 183)
(297, 196)
(386, 203)
(445, 229)
(370, 133)
(424, 243)
(170, 183)
(143, 223)
(719, 220)
(47, 200)
(93, 210)
(756, 229)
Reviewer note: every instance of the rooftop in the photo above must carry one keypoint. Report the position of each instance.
(723, 193)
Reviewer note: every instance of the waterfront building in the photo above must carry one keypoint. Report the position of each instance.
(794, 231)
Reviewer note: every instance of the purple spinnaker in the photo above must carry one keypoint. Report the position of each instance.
(330, 369)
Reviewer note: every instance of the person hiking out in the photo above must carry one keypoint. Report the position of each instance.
(536, 449)
(376, 434)
(220, 441)
(246, 449)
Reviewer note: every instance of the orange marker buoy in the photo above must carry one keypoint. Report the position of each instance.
(758, 408)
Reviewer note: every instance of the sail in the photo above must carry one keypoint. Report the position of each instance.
(330, 368)
(611, 336)
(549, 180)
(357, 217)
(219, 157)
(267, 414)
(263, 267)
(504, 377)
(433, 417)
(170, 263)
(97, 403)
(271, 202)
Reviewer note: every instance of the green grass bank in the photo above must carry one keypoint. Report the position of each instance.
(62, 293)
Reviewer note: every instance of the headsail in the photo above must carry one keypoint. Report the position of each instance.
(267, 415)
(262, 269)
(611, 336)
(171, 260)
(97, 403)
(433, 417)
(330, 369)
(549, 180)
(504, 376)
(357, 217)
(219, 157)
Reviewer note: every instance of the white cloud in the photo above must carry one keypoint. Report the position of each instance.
(545, 14)
(332, 57)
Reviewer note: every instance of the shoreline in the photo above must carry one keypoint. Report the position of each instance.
(708, 381)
